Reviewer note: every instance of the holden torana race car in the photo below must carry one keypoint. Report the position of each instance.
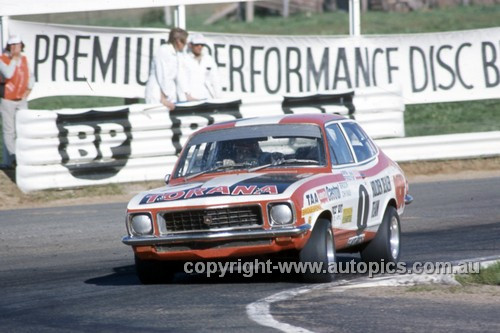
(305, 185)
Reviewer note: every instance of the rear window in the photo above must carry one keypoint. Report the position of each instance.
(362, 145)
(339, 148)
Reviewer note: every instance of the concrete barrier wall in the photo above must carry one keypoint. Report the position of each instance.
(440, 147)
(79, 147)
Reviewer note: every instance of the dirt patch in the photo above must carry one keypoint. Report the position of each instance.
(452, 169)
(12, 198)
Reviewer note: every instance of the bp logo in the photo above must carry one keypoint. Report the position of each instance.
(94, 144)
(321, 102)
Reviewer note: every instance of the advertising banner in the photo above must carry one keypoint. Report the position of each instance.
(429, 68)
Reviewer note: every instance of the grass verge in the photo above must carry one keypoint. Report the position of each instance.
(453, 117)
(328, 23)
(489, 276)
(74, 102)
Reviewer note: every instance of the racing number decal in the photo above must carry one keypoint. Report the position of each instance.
(363, 207)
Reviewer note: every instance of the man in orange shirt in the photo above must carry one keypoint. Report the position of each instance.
(16, 82)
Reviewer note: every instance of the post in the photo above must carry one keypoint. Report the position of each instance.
(249, 11)
(167, 14)
(180, 16)
(4, 35)
(354, 18)
(4, 31)
(364, 6)
(286, 8)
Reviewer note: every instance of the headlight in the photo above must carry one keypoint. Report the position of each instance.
(281, 214)
(141, 224)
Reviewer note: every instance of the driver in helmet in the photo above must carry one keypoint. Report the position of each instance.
(247, 151)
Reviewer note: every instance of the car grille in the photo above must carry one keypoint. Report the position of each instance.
(212, 219)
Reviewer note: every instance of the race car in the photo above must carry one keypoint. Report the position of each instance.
(305, 185)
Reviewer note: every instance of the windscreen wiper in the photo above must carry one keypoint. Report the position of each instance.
(282, 162)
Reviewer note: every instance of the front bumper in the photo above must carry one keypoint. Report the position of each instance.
(215, 236)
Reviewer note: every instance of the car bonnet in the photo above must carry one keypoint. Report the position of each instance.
(244, 187)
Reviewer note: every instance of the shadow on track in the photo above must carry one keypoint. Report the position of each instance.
(126, 276)
(121, 276)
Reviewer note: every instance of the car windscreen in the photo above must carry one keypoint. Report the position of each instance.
(237, 133)
(252, 147)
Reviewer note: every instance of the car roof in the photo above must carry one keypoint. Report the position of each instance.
(317, 118)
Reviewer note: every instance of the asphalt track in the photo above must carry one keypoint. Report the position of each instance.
(65, 269)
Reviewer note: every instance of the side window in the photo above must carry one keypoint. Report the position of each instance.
(339, 149)
(362, 145)
(198, 157)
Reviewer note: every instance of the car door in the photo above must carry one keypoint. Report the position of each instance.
(369, 185)
(346, 213)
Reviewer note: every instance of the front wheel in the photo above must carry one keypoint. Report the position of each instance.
(318, 254)
(387, 243)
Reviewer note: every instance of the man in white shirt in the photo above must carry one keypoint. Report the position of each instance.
(202, 74)
(166, 81)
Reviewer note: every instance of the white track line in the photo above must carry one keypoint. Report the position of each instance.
(259, 311)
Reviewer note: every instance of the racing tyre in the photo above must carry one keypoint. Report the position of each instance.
(153, 271)
(387, 243)
(320, 248)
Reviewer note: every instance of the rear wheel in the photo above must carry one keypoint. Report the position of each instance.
(319, 252)
(154, 271)
(387, 244)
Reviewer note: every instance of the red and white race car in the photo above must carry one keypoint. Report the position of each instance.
(305, 185)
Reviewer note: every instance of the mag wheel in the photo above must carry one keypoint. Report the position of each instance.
(318, 254)
(387, 244)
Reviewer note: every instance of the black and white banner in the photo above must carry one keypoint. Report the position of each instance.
(431, 67)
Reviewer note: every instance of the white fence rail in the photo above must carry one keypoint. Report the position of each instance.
(439, 147)
(79, 147)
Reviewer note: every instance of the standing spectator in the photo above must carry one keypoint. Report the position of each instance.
(201, 70)
(16, 85)
(165, 79)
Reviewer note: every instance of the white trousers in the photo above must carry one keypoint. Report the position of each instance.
(8, 111)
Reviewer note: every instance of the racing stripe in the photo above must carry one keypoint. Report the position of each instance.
(382, 163)
(231, 185)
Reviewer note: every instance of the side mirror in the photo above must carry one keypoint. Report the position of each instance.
(167, 178)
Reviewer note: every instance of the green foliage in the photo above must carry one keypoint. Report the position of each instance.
(444, 19)
(328, 23)
(453, 117)
(372, 22)
(74, 102)
(153, 18)
(489, 275)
